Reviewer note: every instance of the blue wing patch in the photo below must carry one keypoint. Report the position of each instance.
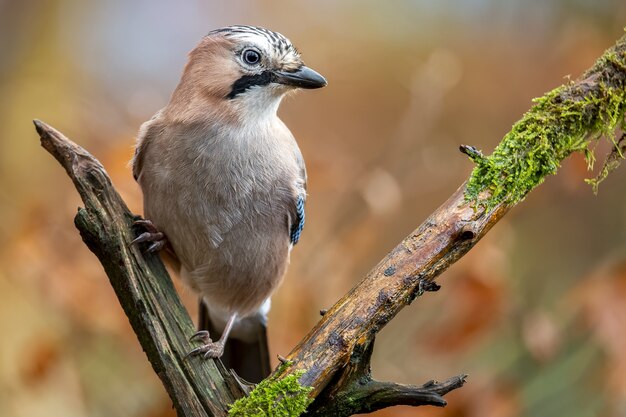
(298, 224)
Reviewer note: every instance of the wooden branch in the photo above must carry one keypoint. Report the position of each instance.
(144, 289)
(333, 359)
(354, 391)
(405, 273)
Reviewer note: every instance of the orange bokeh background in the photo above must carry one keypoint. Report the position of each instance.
(535, 314)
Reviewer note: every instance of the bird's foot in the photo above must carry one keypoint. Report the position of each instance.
(209, 348)
(201, 335)
(151, 234)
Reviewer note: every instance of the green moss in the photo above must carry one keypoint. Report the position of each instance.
(274, 397)
(568, 119)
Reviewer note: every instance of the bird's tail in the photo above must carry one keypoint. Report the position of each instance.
(249, 358)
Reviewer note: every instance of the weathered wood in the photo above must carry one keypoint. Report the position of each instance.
(354, 391)
(405, 273)
(143, 286)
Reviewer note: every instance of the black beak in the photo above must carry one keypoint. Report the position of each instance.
(304, 77)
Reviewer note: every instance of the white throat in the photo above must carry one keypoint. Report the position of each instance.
(259, 104)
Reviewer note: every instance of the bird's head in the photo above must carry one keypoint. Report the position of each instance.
(247, 68)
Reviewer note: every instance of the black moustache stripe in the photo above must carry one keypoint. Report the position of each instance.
(247, 81)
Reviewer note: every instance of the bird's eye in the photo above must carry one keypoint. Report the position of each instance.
(251, 57)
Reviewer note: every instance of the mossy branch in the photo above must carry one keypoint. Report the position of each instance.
(274, 396)
(329, 369)
(565, 120)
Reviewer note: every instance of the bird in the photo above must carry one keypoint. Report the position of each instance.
(224, 186)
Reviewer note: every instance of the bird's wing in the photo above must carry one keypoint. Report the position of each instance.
(297, 223)
(147, 132)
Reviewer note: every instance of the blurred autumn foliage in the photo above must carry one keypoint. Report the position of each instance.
(535, 314)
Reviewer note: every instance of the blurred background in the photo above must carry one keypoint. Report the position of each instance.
(535, 314)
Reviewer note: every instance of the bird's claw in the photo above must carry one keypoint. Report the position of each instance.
(210, 349)
(146, 224)
(157, 238)
(203, 336)
(157, 246)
